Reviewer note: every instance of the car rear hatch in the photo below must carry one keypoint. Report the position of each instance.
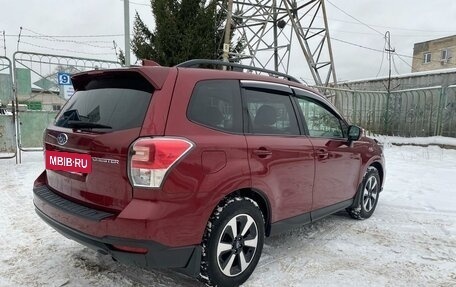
(101, 120)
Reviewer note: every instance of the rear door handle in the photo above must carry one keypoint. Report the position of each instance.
(262, 152)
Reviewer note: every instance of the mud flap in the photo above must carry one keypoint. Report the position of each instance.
(358, 197)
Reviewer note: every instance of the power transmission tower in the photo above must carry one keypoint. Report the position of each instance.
(285, 35)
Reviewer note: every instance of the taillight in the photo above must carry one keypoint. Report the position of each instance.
(152, 158)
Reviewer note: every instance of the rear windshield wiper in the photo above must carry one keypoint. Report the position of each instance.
(87, 125)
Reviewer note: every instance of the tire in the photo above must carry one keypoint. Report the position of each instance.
(367, 196)
(232, 243)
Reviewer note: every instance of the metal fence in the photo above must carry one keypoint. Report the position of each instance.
(38, 96)
(8, 146)
(448, 114)
(40, 91)
(408, 113)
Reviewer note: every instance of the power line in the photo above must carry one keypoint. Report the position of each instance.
(343, 41)
(354, 44)
(383, 57)
(365, 47)
(368, 26)
(392, 27)
(405, 61)
(377, 50)
(378, 32)
(50, 38)
(65, 50)
(58, 39)
(370, 48)
(77, 36)
(395, 35)
(394, 65)
(141, 4)
(71, 41)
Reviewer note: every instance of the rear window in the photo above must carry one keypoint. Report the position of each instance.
(107, 104)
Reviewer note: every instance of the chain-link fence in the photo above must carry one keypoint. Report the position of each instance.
(409, 113)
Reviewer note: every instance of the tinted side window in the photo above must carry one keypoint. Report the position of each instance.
(320, 121)
(269, 112)
(217, 104)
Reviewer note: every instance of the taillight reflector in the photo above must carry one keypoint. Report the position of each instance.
(152, 158)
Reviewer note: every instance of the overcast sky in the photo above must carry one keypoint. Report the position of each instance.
(409, 21)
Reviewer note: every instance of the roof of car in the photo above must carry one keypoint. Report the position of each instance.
(157, 75)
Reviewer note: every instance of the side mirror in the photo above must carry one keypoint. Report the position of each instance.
(354, 133)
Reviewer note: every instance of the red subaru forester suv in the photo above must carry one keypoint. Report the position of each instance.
(190, 168)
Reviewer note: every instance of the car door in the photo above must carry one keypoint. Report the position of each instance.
(280, 157)
(337, 163)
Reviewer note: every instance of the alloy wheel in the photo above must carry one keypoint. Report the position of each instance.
(370, 193)
(237, 245)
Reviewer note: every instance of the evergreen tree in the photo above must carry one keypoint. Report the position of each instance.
(184, 29)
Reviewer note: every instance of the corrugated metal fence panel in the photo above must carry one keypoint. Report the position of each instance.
(409, 113)
(370, 110)
(414, 113)
(33, 124)
(364, 108)
(448, 118)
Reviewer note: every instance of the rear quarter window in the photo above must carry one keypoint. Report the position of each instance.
(216, 104)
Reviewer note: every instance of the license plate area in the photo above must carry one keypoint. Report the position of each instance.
(68, 161)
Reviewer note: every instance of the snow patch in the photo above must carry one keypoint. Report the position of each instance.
(437, 140)
(409, 241)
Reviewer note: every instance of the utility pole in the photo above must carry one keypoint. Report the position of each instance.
(4, 42)
(226, 43)
(127, 31)
(388, 89)
(389, 50)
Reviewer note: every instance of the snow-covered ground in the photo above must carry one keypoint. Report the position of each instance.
(410, 240)
(422, 141)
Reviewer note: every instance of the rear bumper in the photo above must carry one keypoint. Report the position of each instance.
(184, 259)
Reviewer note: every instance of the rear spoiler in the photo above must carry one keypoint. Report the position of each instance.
(155, 75)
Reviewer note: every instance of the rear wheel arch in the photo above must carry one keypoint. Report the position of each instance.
(257, 196)
(263, 203)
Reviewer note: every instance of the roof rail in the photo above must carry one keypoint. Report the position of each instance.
(196, 63)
